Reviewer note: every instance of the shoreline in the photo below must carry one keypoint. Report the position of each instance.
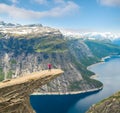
(94, 76)
(84, 91)
(70, 93)
(101, 62)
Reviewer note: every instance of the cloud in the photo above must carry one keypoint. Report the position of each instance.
(59, 1)
(9, 2)
(65, 9)
(110, 2)
(44, 2)
(41, 1)
(20, 13)
(14, 1)
(13, 11)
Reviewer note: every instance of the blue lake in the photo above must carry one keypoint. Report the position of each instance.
(108, 73)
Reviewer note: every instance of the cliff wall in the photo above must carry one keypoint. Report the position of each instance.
(14, 94)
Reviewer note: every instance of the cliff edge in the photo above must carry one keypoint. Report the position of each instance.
(14, 93)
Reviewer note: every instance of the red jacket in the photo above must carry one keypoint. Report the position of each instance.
(49, 66)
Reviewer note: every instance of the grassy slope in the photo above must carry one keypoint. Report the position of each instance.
(53, 44)
(102, 49)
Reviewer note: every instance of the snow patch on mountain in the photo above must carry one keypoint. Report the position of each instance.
(92, 35)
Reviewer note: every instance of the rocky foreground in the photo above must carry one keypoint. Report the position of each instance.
(109, 105)
(14, 94)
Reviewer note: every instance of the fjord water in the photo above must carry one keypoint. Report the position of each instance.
(108, 73)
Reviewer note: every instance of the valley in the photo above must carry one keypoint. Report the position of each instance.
(29, 48)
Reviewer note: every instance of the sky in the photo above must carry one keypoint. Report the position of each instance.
(72, 15)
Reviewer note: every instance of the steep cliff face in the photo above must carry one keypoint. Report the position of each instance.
(14, 94)
(109, 105)
(81, 51)
(26, 49)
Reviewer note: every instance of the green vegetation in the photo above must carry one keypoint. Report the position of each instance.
(1, 35)
(1, 74)
(79, 54)
(93, 82)
(108, 105)
(13, 61)
(99, 49)
(115, 96)
(102, 49)
(74, 86)
(9, 74)
(51, 45)
(46, 44)
(81, 67)
(87, 61)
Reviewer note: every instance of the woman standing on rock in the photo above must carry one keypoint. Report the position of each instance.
(49, 66)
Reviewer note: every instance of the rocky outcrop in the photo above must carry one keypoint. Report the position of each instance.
(26, 49)
(14, 94)
(109, 105)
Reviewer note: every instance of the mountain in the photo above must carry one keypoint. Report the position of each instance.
(102, 48)
(3, 24)
(102, 36)
(24, 49)
(28, 48)
(106, 36)
(109, 105)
